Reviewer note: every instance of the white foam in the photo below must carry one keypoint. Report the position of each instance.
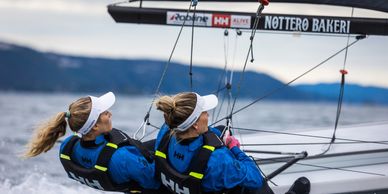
(37, 184)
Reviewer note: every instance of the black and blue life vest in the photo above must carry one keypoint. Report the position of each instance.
(190, 181)
(98, 177)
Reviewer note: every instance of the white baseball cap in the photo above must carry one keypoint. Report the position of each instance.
(99, 105)
(204, 103)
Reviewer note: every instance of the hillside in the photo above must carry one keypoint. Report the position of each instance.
(26, 69)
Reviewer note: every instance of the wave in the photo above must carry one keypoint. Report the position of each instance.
(37, 184)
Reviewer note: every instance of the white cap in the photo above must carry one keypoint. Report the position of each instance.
(204, 103)
(99, 105)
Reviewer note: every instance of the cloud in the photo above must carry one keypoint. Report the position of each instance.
(64, 6)
(83, 27)
(98, 7)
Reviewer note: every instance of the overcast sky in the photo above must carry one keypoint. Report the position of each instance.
(83, 27)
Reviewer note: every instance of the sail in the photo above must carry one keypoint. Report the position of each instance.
(243, 20)
(377, 5)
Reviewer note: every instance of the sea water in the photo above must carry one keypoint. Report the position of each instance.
(22, 112)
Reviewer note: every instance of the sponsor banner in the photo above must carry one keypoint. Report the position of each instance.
(307, 24)
(231, 21)
(177, 18)
(241, 21)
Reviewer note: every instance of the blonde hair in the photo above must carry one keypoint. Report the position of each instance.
(177, 109)
(48, 133)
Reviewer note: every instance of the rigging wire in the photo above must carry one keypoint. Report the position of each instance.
(340, 96)
(147, 116)
(307, 143)
(220, 107)
(229, 121)
(230, 82)
(194, 3)
(312, 136)
(250, 52)
(223, 76)
(347, 43)
(238, 34)
(254, 28)
(288, 83)
(227, 80)
(325, 167)
(264, 175)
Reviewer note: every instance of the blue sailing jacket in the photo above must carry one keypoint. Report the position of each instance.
(225, 169)
(126, 164)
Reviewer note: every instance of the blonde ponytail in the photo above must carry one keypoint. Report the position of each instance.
(177, 108)
(46, 135)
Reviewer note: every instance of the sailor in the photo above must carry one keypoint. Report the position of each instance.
(191, 158)
(97, 155)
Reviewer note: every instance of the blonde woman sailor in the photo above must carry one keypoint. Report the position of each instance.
(99, 156)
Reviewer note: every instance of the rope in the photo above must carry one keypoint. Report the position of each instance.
(250, 52)
(219, 110)
(146, 118)
(287, 84)
(328, 168)
(309, 143)
(228, 80)
(264, 175)
(192, 48)
(347, 43)
(153, 131)
(223, 76)
(238, 33)
(226, 52)
(340, 96)
(312, 136)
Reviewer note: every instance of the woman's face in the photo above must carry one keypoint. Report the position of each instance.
(203, 122)
(105, 122)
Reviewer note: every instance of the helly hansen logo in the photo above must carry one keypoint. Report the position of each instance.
(179, 155)
(221, 20)
(93, 183)
(174, 186)
(86, 160)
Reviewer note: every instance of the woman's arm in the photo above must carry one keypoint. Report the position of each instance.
(230, 168)
(127, 164)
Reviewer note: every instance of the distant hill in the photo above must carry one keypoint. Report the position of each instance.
(25, 69)
(352, 92)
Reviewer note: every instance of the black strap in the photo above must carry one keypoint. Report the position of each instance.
(148, 154)
(68, 149)
(122, 139)
(105, 156)
(163, 146)
(199, 162)
(212, 139)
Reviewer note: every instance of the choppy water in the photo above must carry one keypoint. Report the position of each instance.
(21, 112)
